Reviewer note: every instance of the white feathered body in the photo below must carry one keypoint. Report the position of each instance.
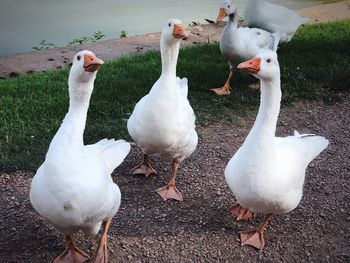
(267, 173)
(268, 176)
(73, 188)
(273, 18)
(240, 44)
(163, 121)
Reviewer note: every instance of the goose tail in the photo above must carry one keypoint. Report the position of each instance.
(313, 145)
(114, 152)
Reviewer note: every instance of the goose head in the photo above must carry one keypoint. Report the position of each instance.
(264, 66)
(174, 31)
(227, 8)
(82, 76)
(84, 67)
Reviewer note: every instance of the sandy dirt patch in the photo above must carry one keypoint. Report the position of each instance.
(201, 229)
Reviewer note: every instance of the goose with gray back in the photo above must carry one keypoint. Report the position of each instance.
(273, 18)
(238, 44)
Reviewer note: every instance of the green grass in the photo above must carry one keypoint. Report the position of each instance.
(314, 65)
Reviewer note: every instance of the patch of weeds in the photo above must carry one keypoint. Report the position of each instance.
(43, 45)
(98, 35)
(123, 34)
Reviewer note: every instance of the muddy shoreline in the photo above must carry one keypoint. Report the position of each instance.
(16, 64)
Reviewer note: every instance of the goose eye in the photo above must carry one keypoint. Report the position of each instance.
(169, 24)
(268, 60)
(78, 58)
(228, 6)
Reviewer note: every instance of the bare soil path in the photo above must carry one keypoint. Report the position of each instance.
(201, 229)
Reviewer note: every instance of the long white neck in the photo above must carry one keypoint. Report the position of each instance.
(265, 123)
(169, 53)
(73, 125)
(232, 20)
(231, 28)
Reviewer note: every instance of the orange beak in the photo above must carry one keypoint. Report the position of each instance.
(179, 31)
(251, 66)
(222, 14)
(91, 62)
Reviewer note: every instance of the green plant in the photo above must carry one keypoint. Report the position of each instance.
(123, 33)
(43, 45)
(97, 36)
(86, 39)
(78, 41)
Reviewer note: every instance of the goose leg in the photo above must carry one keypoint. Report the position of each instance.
(101, 253)
(255, 237)
(226, 89)
(144, 167)
(240, 212)
(72, 254)
(170, 191)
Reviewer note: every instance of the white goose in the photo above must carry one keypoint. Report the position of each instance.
(239, 44)
(267, 173)
(73, 188)
(273, 18)
(163, 120)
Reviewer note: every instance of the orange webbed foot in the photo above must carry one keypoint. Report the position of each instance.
(253, 238)
(170, 192)
(72, 253)
(224, 90)
(142, 168)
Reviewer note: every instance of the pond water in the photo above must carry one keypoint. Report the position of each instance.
(23, 23)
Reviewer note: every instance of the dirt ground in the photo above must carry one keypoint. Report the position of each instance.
(200, 229)
(328, 12)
